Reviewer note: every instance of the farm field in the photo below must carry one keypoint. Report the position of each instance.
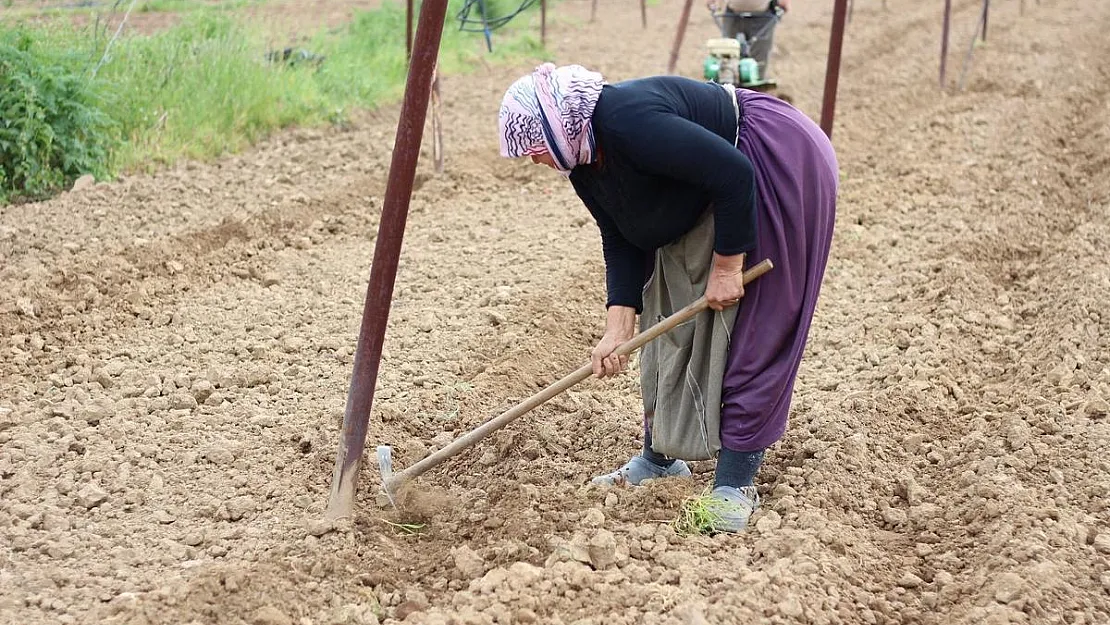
(175, 350)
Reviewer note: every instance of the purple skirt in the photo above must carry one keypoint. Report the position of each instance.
(796, 181)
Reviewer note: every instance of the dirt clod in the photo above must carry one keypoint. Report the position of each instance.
(91, 496)
(470, 564)
(1102, 543)
(602, 549)
(269, 615)
(202, 390)
(413, 450)
(319, 527)
(183, 401)
(413, 609)
(768, 521)
(163, 517)
(421, 502)
(910, 580)
(220, 456)
(593, 518)
(1008, 587)
(1096, 408)
(240, 507)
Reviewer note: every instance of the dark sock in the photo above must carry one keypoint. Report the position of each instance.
(737, 468)
(651, 456)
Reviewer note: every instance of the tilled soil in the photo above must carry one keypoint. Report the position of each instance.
(176, 350)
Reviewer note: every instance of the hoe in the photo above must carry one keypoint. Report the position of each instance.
(393, 482)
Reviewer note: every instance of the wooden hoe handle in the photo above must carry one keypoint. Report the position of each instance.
(395, 481)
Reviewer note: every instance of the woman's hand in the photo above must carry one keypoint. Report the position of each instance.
(726, 281)
(620, 325)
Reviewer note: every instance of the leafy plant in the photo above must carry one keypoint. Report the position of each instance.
(76, 101)
(700, 514)
(52, 122)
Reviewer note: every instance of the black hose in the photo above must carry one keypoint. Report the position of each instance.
(485, 23)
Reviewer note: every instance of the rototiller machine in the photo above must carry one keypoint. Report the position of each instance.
(729, 60)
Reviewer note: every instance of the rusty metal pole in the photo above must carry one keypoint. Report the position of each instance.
(832, 69)
(643, 13)
(593, 10)
(387, 250)
(408, 29)
(678, 35)
(543, 22)
(944, 40)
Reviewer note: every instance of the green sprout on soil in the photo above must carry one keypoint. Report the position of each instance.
(408, 529)
(453, 398)
(699, 515)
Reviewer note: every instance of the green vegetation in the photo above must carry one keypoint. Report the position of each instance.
(407, 529)
(53, 127)
(22, 13)
(700, 515)
(166, 6)
(73, 101)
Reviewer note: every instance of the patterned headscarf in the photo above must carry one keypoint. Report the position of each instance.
(549, 110)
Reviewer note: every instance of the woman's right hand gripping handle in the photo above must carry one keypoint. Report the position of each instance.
(620, 326)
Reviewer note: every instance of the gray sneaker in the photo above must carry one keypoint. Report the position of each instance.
(639, 469)
(736, 506)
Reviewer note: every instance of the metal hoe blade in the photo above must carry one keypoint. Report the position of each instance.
(385, 465)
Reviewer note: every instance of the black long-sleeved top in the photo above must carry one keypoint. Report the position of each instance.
(666, 154)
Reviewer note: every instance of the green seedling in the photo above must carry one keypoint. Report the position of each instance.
(453, 398)
(699, 515)
(408, 529)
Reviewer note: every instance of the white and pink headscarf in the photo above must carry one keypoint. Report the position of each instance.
(549, 110)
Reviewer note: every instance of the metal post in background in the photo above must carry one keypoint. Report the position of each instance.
(944, 40)
(832, 68)
(387, 251)
(680, 32)
(437, 125)
(643, 13)
(408, 29)
(971, 46)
